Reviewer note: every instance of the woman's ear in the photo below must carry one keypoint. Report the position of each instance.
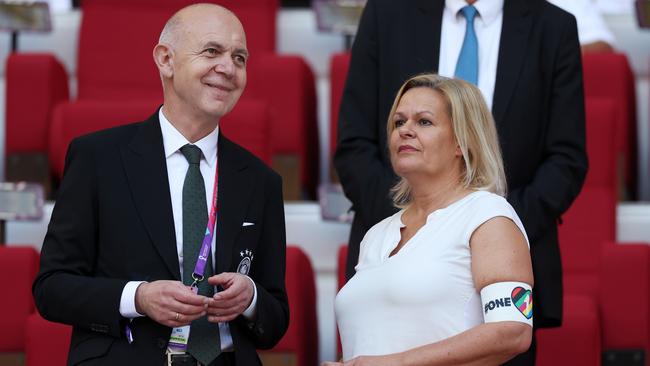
(163, 56)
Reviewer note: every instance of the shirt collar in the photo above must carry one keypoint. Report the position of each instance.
(173, 140)
(488, 10)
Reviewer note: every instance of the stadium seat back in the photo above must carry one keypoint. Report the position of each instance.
(47, 343)
(249, 126)
(609, 75)
(18, 267)
(339, 65)
(591, 219)
(577, 341)
(299, 346)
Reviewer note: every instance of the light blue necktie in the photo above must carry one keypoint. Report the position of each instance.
(467, 65)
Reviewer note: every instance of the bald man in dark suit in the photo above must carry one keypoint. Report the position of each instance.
(130, 231)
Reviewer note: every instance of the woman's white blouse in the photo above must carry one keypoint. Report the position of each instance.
(425, 292)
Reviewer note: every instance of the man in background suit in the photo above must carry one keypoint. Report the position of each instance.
(132, 212)
(530, 74)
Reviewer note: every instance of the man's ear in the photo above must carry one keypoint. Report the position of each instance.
(163, 57)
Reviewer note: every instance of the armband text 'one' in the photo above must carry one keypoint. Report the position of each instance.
(507, 301)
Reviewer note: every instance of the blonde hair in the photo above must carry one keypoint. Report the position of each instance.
(474, 130)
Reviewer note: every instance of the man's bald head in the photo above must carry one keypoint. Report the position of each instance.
(201, 57)
(176, 27)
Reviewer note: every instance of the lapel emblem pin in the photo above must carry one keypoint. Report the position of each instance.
(245, 264)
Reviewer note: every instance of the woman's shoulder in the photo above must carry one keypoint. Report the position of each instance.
(385, 224)
(487, 196)
(487, 201)
(488, 205)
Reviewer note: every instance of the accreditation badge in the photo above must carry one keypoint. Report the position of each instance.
(178, 339)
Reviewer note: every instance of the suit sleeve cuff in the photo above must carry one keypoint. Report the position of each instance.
(251, 310)
(127, 301)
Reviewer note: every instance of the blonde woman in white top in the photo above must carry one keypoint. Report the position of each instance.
(447, 280)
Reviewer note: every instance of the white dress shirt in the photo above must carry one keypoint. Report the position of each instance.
(591, 24)
(177, 166)
(487, 25)
(615, 6)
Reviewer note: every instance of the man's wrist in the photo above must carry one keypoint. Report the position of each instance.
(139, 303)
(128, 302)
(251, 310)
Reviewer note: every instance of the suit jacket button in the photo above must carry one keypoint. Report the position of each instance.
(161, 343)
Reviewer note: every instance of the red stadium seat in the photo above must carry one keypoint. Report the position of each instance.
(18, 267)
(339, 66)
(609, 75)
(287, 84)
(46, 343)
(591, 220)
(625, 297)
(617, 275)
(589, 223)
(248, 126)
(29, 108)
(593, 264)
(299, 346)
(35, 83)
(577, 341)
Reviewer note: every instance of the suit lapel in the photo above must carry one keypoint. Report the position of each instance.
(146, 171)
(235, 188)
(517, 23)
(427, 26)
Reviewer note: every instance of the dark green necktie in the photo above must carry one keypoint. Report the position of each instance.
(204, 343)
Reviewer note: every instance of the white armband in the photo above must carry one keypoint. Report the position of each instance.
(507, 301)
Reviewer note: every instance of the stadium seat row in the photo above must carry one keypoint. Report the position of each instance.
(118, 82)
(28, 339)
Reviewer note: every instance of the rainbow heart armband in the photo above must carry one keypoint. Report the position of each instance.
(507, 301)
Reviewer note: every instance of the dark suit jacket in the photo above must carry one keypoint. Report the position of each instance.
(538, 107)
(113, 223)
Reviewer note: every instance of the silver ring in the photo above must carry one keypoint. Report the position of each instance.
(178, 316)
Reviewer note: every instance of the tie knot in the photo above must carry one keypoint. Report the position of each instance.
(469, 12)
(192, 153)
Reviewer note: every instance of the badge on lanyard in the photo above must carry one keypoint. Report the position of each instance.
(179, 338)
(181, 335)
